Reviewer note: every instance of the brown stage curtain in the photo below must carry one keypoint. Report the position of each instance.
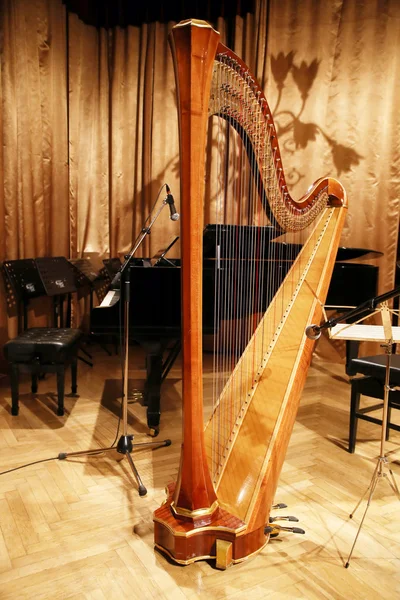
(89, 132)
(34, 169)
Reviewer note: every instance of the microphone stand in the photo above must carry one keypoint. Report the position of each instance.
(314, 332)
(125, 445)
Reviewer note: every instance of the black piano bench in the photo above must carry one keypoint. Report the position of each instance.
(43, 350)
(372, 384)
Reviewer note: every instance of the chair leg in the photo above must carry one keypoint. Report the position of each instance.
(74, 374)
(60, 389)
(354, 406)
(14, 376)
(34, 384)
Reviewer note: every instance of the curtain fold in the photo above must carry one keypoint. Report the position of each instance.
(89, 137)
(89, 131)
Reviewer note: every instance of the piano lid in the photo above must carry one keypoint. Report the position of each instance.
(276, 245)
(345, 253)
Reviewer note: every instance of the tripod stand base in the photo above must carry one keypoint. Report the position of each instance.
(124, 447)
(377, 475)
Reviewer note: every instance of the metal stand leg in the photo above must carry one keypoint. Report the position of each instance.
(124, 447)
(378, 474)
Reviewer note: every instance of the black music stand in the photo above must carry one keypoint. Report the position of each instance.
(23, 284)
(112, 266)
(59, 283)
(86, 277)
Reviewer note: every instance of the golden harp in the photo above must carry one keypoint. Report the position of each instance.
(229, 470)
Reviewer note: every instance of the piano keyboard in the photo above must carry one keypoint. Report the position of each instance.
(111, 298)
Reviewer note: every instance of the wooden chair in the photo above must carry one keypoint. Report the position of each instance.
(39, 350)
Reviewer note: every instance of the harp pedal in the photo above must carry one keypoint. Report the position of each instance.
(275, 529)
(288, 518)
(280, 505)
(223, 554)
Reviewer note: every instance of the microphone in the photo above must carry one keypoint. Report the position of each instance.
(174, 216)
(313, 332)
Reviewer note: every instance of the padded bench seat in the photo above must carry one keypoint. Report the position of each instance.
(372, 384)
(43, 350)
(375, 366)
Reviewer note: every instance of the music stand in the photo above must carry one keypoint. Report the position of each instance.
(23, 283)
(86, 277)
(387, 335)
(58, 281)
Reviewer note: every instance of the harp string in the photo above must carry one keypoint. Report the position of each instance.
(249, 171)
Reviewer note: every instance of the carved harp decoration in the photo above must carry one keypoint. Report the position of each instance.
(271, 280)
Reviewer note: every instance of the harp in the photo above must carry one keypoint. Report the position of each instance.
(229, 469)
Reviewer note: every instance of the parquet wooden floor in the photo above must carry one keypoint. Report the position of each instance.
(77, 528)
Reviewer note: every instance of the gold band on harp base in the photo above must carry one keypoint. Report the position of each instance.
(194, 514)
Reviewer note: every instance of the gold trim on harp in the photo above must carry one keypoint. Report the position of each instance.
(198, 512)
(200, 531)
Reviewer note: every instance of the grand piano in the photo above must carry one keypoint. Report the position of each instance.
(155, 299)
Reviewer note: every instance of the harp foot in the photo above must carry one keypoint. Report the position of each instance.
(223, 554)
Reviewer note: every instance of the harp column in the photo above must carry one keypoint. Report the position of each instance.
(193, 44)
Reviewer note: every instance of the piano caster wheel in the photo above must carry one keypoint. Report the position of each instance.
(153, 432)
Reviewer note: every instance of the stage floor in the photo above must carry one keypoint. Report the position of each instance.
(77, 528)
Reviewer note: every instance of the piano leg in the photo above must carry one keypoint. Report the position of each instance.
(152, 388)
(157, 370)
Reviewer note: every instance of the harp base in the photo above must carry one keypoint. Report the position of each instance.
(226, 538)
(220, 550)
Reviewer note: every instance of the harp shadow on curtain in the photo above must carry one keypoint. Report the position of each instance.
(295, 133)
